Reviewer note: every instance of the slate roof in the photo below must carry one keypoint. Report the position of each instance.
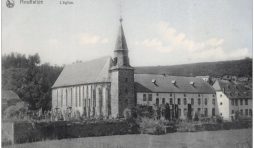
(121, 41)
(10, 95)
(232, 91)
(163, 83)
(84, 73)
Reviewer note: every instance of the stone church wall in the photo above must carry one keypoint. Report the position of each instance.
(89, 100)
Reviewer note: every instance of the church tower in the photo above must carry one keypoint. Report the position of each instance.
(122, 77)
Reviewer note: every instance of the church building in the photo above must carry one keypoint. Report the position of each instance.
(97, 88)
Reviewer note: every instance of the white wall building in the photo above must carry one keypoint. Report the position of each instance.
(231, 98)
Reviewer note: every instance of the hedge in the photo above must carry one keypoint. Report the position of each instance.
(30, 132)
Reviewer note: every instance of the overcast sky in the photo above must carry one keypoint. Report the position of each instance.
(158, 32)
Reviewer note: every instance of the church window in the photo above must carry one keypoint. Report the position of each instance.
(62, 97)
(79, 97)
(76, 97)
(94, 96)
(126, 80)
(150, 97)
(66, 97)
(144, 97)
(56, 97)
(71, 96)
(185, 101)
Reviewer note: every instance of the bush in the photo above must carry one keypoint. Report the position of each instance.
(153, 127)
(15, 111)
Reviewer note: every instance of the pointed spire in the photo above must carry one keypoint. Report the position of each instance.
(121, 41)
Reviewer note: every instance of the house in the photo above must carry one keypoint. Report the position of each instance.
(185, 93)
(232, 97)
(9, 98)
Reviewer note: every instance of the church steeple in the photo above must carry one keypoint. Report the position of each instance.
(121, 41)
(121, 58)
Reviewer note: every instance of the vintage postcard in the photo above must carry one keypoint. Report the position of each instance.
(126, 73)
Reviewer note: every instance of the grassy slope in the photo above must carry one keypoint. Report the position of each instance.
(224, 138)
(214, 69)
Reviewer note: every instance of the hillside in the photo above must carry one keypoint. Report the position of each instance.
(214, 69)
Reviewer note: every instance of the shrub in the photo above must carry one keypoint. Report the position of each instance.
(15, 111)
(150, 126)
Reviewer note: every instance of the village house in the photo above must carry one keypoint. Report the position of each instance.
(232, 98)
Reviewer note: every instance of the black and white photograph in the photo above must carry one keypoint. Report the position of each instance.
(126, 73)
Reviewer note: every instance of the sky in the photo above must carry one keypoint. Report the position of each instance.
(158, 32)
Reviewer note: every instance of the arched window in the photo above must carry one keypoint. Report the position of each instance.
(71, 96)
(205, 101)
(76, 97)
(57, 97)
(185, 101)
(79, 99)
(66, 97)
(199, 101)
(171, 101)
(62, 97)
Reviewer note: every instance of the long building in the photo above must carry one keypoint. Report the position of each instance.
(185, 92)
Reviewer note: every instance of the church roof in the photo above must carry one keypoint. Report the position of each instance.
(93, 71)
(232, 90)
(166, 83)
(9, 95)
(121, 41)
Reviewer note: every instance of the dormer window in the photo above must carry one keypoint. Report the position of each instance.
(246, 93)
(238, 93)
(192, 83)
(154, 81)
(173, 82)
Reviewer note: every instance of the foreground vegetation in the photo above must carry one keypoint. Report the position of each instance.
(225, 139)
